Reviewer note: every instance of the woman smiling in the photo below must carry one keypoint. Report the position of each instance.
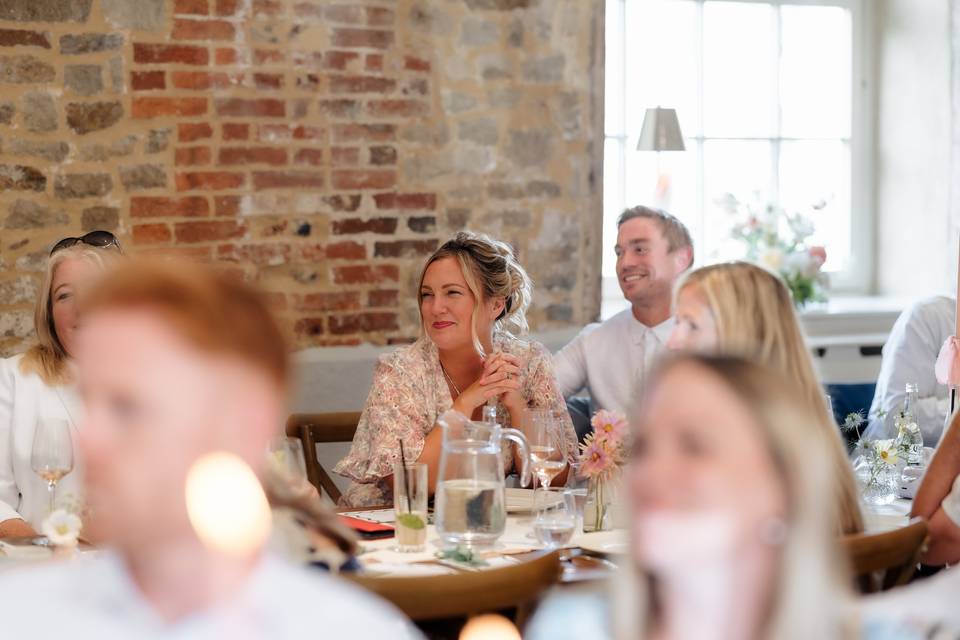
(472, 292)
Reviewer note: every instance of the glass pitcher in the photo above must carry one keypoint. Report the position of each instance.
(470, 508)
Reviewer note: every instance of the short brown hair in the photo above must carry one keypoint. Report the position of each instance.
(211, 310)
(675, 232)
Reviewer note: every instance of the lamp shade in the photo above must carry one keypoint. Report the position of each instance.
(661, 131)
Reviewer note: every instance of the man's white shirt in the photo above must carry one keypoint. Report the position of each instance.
(611, 360)
(909, 355)
(96, 598)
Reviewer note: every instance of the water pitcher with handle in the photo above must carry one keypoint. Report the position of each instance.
(470, 509)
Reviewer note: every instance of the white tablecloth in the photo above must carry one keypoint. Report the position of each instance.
(880, 518)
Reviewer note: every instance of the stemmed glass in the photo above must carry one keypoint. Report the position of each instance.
(548, 446)
(52, 455)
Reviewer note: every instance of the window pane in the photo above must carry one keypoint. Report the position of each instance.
(742, 168)
(815, 82)
(668, 182)
(739, 58)
(613, 202)
(819, 172)
(613, 69)
(661, 55)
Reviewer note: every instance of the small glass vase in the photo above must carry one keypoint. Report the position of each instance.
(597, 515)
(879, 482)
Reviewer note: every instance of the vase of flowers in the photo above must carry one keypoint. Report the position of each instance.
(601, 454)
(877, 464)
(780, 242)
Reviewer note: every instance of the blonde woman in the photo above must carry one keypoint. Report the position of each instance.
(473, 296)
(741, 309)
(38, 385)
(732, 537)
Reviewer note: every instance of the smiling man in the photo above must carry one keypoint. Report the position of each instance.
(610, 359)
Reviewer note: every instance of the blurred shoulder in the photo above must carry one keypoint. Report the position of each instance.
(572, 614)
(934, 308)
(317, 595)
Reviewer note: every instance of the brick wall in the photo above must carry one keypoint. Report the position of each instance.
(322, 148)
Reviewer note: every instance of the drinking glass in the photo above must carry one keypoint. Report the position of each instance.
(548, 444)
(285, 456)
(555, 516)
(52, 455)
(410, 506)
(579, 486)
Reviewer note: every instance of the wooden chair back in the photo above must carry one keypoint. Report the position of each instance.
(458, 595)
(322, 428)
(885, 560)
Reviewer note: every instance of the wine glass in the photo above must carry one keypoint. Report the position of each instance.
(52, 455)
(555, 517)
(548, 445)
(286, 462)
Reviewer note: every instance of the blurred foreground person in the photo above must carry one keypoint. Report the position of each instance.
(740, 309)
(39, 386)
(184, 375)
(732, 537)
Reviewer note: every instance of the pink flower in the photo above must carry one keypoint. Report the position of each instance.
(819, 254)
(595, 459)
(609, 426)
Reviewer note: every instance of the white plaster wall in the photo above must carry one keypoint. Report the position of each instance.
(914, 255)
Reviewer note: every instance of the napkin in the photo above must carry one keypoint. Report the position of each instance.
(947, 368)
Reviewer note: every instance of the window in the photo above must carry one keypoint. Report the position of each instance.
(771, 101)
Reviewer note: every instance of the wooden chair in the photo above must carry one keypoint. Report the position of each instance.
(322, 428)
(882, 561)
(426, 598)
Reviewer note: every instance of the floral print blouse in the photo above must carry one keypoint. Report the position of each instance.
(409, 393)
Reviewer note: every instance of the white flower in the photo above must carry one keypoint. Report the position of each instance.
(797, 262)
(62, 528)
(772, 259)
(886, 451)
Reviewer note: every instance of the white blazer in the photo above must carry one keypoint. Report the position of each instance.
(25, 400)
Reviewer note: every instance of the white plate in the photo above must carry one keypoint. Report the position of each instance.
(518, 500)
(611, 543)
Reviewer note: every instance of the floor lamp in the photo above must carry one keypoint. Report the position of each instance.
(661, 132)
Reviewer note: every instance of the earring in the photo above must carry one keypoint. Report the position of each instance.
(773, 531)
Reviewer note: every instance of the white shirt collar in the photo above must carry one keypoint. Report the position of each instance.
(639, 331)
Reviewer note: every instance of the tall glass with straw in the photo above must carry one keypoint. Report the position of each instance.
(410, 503)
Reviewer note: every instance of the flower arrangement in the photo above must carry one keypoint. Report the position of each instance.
(780, 242)
(877, 462)
(601, 455)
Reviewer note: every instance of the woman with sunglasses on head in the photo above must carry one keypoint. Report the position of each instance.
(471, 291)
(38, 385)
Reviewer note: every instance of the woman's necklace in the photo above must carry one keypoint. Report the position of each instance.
(450, 380)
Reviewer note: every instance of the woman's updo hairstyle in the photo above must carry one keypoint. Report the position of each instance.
(491, 271)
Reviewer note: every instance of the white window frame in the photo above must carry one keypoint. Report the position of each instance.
(859, 277)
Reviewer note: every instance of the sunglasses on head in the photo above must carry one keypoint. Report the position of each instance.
(99, 239)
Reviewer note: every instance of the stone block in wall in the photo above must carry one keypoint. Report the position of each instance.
(7, 109)
(82, 185)
(16, 177)
(45, 10)
(142, 15)
(86, 117)
(83, 79)
(24, 38)
(143, 176)
(27, 214)
(107, 218)
(39, 112)
(25, 69)
(73, 44)
(47, 149)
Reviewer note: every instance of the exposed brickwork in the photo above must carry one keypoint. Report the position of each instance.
(319, 147)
